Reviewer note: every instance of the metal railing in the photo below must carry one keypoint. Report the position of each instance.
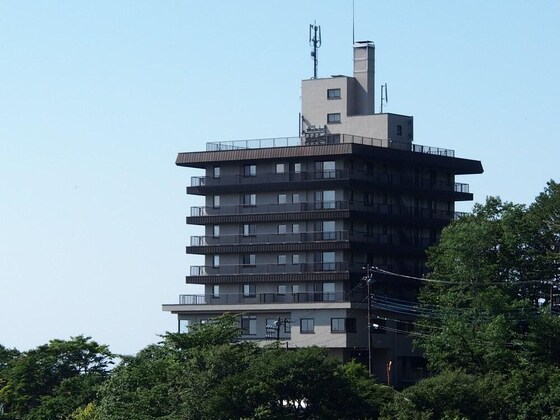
(329, 139)
(264, 298)
(338, 174)
(269, 238)
(388, 209)
(236, 269)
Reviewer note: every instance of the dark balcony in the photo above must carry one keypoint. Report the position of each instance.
(243, 269)
(267, 298)
(268, 238)
(202, 184)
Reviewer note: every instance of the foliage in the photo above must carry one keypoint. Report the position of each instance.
(492, 306)
(54, 379)
(209, 375)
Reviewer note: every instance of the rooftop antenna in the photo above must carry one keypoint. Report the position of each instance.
(384, 96)
(353, 23)
(315, 42)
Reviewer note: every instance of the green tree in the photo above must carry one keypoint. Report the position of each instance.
(51, 381)
(489, 290)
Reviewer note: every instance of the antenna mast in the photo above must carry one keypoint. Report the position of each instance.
(315, 42)
(384, 96)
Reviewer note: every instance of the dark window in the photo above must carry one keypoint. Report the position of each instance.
(249, 230)
(333, 93)
(399, 130)
(333, 118)
(343, 324)
(249, 199)
(249, 290)
(250, 170)
(249, 325)
(249, 259)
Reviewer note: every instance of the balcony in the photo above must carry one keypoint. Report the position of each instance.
(243, 269)
(268, 238)
(274, 208)
(382, 179)
(267, 298)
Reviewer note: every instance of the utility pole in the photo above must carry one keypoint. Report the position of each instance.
(369, 279)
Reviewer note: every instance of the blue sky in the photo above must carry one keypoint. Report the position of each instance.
(97, 98)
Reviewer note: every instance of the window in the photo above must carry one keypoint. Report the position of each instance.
(328, 230)
(249, 260)
(333, 93)
(249, 199)
(184, 326)
(215, 260)
(325, 169)
(249, 230)
(282, 199)
(250, 170)
(295, 288)
(327, 258)
(399, 130)
(216, 201)
(249, 290)
(325, 200)
(281, 259)
(281, 289)
(282, 229)
(295, 259)
(216, 172)
(297, 168)
(295, 228)
(333, 118)
(280, 168)
(216, 231)
(216, 291)
(287, 325)
(249, 325)
(343, 325)
(328, 292)
(295, 198)
(307, 325)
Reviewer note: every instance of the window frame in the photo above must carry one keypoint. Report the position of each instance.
(334, 93)
(307, 325)
(334, 118)
(249, 290)
(250, 169)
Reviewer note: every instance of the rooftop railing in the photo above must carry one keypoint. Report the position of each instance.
(329, 139)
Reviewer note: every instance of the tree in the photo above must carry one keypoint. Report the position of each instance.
(53, 380)
(492, 288)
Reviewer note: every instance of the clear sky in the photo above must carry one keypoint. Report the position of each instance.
(97, 98)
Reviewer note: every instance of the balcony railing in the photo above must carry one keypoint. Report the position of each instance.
(331, 139)
(269, 238)
(235, 269)
(388, 209)
(240, 299)
(272, 238)
(338, 174)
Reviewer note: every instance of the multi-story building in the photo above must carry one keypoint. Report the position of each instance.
(289, 225)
